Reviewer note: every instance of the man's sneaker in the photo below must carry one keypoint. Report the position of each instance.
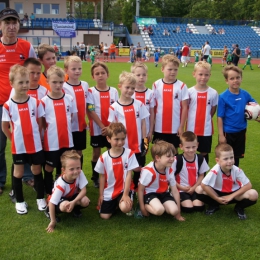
(212, 209)
(130, 213)
(47, 214)
(240, 213)
(96, 183)
(77, 212)
(12, 196)
(41, 203)
(21, 207)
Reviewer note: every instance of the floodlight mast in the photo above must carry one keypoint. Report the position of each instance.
(137, 8)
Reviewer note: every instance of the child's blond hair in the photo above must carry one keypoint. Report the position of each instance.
(202, 65)
(139, 64)
(97, 64)
(169, 58)
(115, 129)
(43, 49)
(161, 148)
(71, 154)
(17, 70)
(188, 136)
(222, 148)
(69, 59)
(231, 68)
(127, 77)
(56, 71)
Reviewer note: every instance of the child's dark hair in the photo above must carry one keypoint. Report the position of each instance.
(222, 148)
(71, 154)
(161, 148)
(229, 68)
(115, 128)
(32, 61)
(97, 64)
(188, 136)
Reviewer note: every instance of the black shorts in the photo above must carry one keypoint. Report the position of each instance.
(186, 196)
(140, 159)
(52, 158)
(139, 54)
(205, 143)
(238, 142)
(57, 207)
(110, 206)
(105, 54)
(80, 140)
(31, 159)
(162, 197)
(205, 57)
(170, 138)
(99, 141)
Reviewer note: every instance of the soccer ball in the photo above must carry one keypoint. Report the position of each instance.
(252, 111)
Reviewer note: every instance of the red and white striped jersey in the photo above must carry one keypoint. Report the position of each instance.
(58, 113)
(37, 93)
(155, 181)
(188, 175)
(79, 93)
(168, 98)
(130, 116)
(101, 101)
(218, 180)
(199, 114)
(115, 170)
(63, 189)
(25, 129)
(147, 98)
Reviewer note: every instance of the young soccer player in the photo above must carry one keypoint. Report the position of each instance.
(25, 115)
(156, 58)
(92, 56)
(69, 192)
(59, 108)
(99, 99)
(232, 123)
(78, 90)
(189, 172)
(248, 61)
(144, 94)
(115, 166)
(131, 113)
(153, 189)
(226, 184)
(203, 102)
(171, 97)
(225, 54)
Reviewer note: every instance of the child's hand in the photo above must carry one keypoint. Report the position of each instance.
(221, 200)
(144, 212)
(180, 131)
(179, 217)
(222, 139)
(191, 190)
(127, 200)
(70, 206)
(104, 131)
(100, 201)
(51, 227)
(149, 137)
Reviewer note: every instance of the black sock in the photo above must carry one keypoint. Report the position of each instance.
(39, 185)
(136, 179)
(48, 182)
(95, 174)
(187, 210)
(18, 189)
(81, 161)
(237, 161)
(12, 178)
(199, 208)
(244, 203)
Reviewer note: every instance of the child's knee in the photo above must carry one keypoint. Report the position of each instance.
(84, 202)
(253, 195)
(105, 216)
(125, 208)
(199, 190)
(63, 206)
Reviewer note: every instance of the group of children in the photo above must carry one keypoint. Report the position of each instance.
(49, 129)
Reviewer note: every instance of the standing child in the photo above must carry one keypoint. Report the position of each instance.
(25, 115)
(156, 58)
(229, 58)
(248, 61)
(115, 167)
(147, 55)
(203, 102)
(78, 90)
(92, 56)
(153, 189)
(209, 59)
(69, 192)
(232, 123)
(105, 53)
(171, 97)
(226, 184)
(99, 99)
(131, 113)
(190, 169)
(196, 54)
(225, 54)
(59, 108)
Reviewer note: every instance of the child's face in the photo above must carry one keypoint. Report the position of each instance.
(21, 84)
(34, 74)
(202, 76)
(56, 83)
(165, 160)
(72, 169)
(100, 75)
(74, 70)
(141, 76)
(48, 60)
(226, 161)
(127, 89)
(189, 149)
(117, 141)
(170, 72)
(233, 80)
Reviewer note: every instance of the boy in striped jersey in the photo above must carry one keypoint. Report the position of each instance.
(226, 184)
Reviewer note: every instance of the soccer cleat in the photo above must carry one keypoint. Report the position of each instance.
(130, 213)
(77, 212)
(47, 214)
(240, 213)
(41, 203)
(212, 209)
(21, 207)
